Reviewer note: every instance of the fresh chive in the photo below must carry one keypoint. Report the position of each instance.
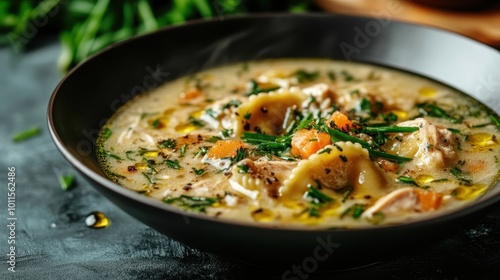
(66, 181)
(127, 155)
(199, 172)
(317, 196)
(183, 149)
(243, 168)
(389, 129)
(407, 180)
(174, 164)
(318, 200)
(304, 122)
(241, 153)
(495, 121)
(257, 138)
(114, 156)
(390, 157)
(343, 158)
(247, 116)
(201, 151)
(356, 210)
(148, 177)
(196, 122)
(195, 203)
(26, 134)
(430, 109)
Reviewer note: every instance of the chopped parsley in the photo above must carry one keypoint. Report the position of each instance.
(256, 89)
(106, 133)
(196, 122)
(168, 143)
(194, 203)
(199, 172)
(233, 103)
(304, 76)
(462, 177)
(174, 164)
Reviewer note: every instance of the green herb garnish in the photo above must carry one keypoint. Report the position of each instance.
(168, 143)
(174, 164)
(183, 150)
(195, 203)
(256, 89)
(148, 177)
(389, 129)
(26, 134)
(407, 180)
(304, 76)
(356, 210)
(462, 177)
(196, 122)
(318, 200)
(106, 133)
(66, 181)
(199, 172)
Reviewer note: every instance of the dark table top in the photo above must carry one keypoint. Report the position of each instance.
(53, 242)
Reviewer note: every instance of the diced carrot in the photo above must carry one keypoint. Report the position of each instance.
(225, 148)
(189, 94)
(428, 200)
(307, 142)
(340, 120)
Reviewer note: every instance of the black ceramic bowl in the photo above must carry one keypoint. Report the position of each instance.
(92, 91)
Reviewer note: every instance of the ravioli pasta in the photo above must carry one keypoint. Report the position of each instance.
(304, 143)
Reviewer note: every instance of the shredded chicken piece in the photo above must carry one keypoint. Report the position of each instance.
(431, 146)
(396, 202)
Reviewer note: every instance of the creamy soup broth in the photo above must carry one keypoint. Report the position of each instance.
(304, 142)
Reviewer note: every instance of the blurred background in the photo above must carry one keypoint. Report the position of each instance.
(86, 26)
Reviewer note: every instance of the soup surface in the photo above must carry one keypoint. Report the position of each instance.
(304, 142)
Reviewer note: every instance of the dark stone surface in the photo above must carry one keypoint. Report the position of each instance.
(53, 242)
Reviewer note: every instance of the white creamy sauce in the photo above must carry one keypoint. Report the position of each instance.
(265, 142)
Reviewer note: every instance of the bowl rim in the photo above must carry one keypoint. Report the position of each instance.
(439, 218)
